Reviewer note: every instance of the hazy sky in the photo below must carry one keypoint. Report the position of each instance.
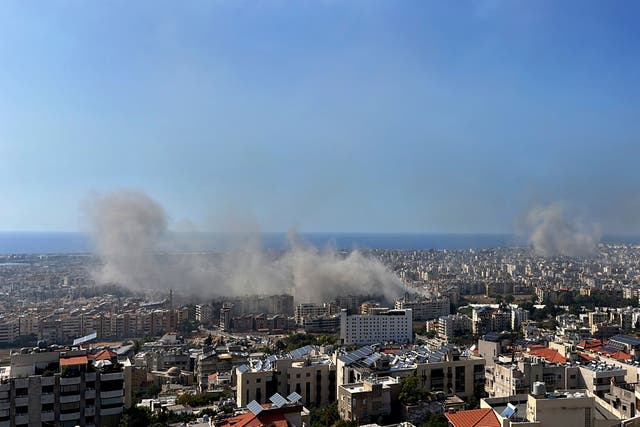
(327, 115)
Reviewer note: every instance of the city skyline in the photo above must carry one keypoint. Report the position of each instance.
(325, 116)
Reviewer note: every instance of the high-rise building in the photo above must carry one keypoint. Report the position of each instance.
(390, 326)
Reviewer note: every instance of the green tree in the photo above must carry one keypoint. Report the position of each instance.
(208, 341)
(136, 416)
(410, 392)
(435, 420)
(325, 416)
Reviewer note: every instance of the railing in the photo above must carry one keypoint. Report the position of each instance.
(47, 381)
(22, 419)
(21, 382)
(111, 401)
(69, 380)
(70, 416)
(89, 394)
(21, 401)
(70, 398)
(111, 411)
(113, 393)
(112, 376)
(47, 398)
(47, 416)
(90, 376)
(89, 411)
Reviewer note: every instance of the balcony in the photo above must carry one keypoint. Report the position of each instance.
(111, 401)
(22, 419)
(113, 393)
(5, 412)
(47, 381)
(5, 423)
(4, 395)
(70, 416)
(21, 382)
(90, 376)
(70, 399)
(69, 380)
(89, 393)
(5, 387)
(47, 398)
(112, 376)
(110, 411)
(21, 401)
(89, 411)
(47, 416)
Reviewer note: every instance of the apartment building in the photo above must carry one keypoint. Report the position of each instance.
(388, 326)
(439, 370)
(204, 314)
(362, 402)
(48, 388)
(425, 308)
(312, 376)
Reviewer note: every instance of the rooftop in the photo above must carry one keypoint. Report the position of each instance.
(473, 418)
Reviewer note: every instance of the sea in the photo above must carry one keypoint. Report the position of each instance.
(72, 242)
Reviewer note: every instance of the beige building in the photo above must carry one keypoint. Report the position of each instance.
(575, 408)
(512, 378)
(361, 402)
(313, 378)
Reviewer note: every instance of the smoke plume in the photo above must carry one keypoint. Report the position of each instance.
(136, 249)
(554, 231)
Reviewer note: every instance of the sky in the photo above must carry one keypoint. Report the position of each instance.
(352, 116)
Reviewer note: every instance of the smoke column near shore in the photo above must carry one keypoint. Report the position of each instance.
(553, 231)
(130, 232)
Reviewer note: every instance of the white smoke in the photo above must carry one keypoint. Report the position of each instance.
(554, 231)
(132, 239)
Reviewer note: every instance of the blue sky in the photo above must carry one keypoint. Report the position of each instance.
(326, 115)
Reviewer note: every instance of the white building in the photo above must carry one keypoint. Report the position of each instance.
(392, 325)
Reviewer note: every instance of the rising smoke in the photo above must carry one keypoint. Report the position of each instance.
(131, 236)
(553, 230)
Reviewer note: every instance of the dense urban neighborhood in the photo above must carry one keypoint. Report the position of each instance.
(491, 337)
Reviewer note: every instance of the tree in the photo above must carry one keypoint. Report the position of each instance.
(435, 420)
(136, 416)
(509, 299)
(208, 341)
(325, 416)
(410, 392)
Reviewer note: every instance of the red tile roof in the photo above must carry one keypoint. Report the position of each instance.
(71, 361)
(275, 418)
(585, 357)
(621, 355)
(589, 344)
(104, 355)
(473, 418)
(550, 355)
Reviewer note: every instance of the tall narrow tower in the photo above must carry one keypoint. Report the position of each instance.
(170, 299)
